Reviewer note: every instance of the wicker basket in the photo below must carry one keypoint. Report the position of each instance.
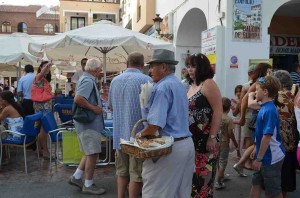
(143, 153)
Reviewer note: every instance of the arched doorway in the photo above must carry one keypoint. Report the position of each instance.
(22, 27)
(284, 34)
(188, 39)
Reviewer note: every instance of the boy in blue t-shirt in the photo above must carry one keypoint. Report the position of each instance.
(269, 149)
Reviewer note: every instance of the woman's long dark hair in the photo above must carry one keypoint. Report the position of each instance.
(48, 77)
(9, 97)
(260, 70)
(204, 70)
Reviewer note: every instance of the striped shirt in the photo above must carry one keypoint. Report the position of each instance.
(295, 77)
(124, 99)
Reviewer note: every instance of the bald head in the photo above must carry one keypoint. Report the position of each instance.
(135, 60)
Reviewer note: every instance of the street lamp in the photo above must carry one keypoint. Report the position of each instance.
(157, 24)
(157, 21)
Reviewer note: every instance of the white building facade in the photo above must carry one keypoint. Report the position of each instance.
(233, 47)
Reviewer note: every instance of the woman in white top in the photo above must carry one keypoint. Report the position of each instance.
(11, 116)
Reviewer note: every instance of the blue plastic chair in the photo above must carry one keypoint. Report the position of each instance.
(54, 130)
(65, 113)
(67, 101)
(28, 135)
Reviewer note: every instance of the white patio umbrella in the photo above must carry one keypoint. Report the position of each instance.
(14, 51)
(113, 41)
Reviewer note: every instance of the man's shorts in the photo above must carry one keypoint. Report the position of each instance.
(89, 142)
(127, 165)
(269, 178)
(223, 159)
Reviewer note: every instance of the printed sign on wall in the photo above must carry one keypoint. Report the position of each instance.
(247, 20)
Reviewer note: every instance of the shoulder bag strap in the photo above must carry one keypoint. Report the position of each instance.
(95, 93)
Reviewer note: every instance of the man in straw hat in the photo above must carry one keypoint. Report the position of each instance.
(170, 175)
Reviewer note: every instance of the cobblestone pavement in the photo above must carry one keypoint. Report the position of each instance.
(52, 183)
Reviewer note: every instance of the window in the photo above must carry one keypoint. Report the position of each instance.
(6, 27)
(77, 22)
(22, 27)
(139, 10)
(48, 28)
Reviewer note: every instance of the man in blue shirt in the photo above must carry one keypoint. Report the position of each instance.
(269, 148)
(24, 90)
(125, 102)
(171, 175)
(89, 134)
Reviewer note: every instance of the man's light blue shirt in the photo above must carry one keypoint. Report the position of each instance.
(25, 84)
(85, 88)
(168, 107)
(124, 99)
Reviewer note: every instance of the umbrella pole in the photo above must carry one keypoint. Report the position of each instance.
(19, 71)
(104, 67)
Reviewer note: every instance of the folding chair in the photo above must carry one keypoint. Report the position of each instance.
(108, 134)
(65, 113)
(28, 136)
(51, 127)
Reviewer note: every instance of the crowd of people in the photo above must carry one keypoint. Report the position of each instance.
(192, 111)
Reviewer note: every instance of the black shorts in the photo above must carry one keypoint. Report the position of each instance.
(288, 172)
(27, 106)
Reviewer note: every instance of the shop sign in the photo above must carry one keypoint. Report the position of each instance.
(234, 62)
(247, 20)
(284, 44)
(255, 62)
(209, 41)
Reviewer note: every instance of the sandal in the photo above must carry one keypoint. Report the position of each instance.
(239, 171)
(48, 158)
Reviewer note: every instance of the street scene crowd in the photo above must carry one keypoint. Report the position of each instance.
(192, 111)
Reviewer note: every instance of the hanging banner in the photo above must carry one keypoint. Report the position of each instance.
(209, 41)
(247, 20)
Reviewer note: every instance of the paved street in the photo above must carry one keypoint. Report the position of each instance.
(42, 182)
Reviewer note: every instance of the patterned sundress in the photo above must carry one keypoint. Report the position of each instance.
(200, 117)
(13, 124)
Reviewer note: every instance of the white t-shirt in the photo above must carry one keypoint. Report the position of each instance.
(76, 76)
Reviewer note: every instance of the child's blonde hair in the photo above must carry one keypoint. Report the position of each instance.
(270, 83)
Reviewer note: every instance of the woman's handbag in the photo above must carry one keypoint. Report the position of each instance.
(42, 93)
(83, 115)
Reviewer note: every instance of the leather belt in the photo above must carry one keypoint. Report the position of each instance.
(179, 139)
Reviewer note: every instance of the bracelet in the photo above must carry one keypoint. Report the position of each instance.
(258, 159)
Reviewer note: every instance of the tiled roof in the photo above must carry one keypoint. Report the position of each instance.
(49, 16)
(12, 8)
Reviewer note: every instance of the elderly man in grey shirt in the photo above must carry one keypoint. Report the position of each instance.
(87, 96)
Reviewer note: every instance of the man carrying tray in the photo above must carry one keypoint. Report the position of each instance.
(170, 175)
(124, 99)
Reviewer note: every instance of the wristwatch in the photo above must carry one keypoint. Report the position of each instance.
(213, 136)
(258, 159)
